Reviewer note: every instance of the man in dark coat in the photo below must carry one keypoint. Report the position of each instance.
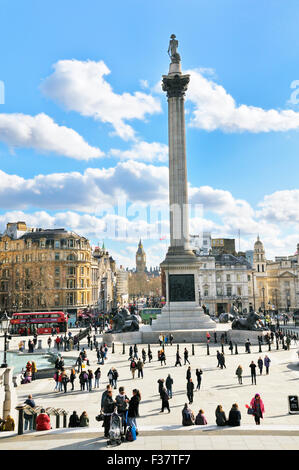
(165, 400)
(190, 390)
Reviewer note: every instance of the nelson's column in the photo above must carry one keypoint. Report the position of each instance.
(181, 267)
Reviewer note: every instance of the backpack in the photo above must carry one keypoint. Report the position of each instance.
(131, 434)
(133, 365)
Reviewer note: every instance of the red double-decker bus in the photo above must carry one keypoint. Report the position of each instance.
(40, 322)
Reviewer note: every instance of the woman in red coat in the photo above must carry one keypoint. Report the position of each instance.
(258, 408)
(43, 422)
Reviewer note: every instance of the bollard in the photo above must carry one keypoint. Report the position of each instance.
(64, 420)
(269, 349)
(208, 349)
(236, 348)
(192, 349)
(112, 348)
(57, 421)
(124, 351)
(20, 420)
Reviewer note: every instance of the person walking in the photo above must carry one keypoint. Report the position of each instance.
(72, 377)
(135, 352)
(220, 416)
(97, 376)
(140, 366)
(258, 408)
(260, 365)
(143, 353)
(110, 376)
(222, 361)
(267, 361)
(150, 356)
(130, 353)
(239, 373)
(133, 367)
(198, 376)
(169, 383)
(160, 386)
(178, 359)
(49, 342)
(186, 354)
(234, 418)
(247, 346)
(165, 400)
(163, 357)
(188, 374)
(231, 348)
(170, 339)
(190, 390)
(115, 377)
(218, 355)
(253, 372)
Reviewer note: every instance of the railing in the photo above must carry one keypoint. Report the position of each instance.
(83, 334)
(22, 409)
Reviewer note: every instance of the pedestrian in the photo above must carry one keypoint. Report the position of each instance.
(28, 417)
(143, 353)
(97, 376)
(165, 400)
(186, 354)
(33, 370)
(83, 378)
(239, 372)
(178, 359)
(115, 377)
(190, 390)
(267, 361)
(90, 377)
(222, 361)
(231, 348)
(133, 410)
(130, 353)
(260, 365)
(133, 367)
(220, 416)
(200, 419)
(64, 380)
(171, 339)
(169, 383)
(49, 342)
(110, 376)
(72, 377)
(198, 376)
(122, 405)
(234, 418)
(150, 356)
(162, 357)
(104, 395)
(253, 372)
(218, 358)
(188, 374)
(135, 352)
(109, 406)
(247, 346)
(79, 364)
(140, 366)
(160, 386)
(258, 408)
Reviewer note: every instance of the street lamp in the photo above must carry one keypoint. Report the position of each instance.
(5, 325)
(263, 290)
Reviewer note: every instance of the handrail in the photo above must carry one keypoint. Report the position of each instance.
(27, 409)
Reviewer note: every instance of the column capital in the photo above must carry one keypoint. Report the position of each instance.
(175, 86)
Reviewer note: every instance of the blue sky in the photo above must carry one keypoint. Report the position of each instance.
(242, 131)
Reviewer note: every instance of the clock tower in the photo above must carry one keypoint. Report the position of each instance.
(140, 259)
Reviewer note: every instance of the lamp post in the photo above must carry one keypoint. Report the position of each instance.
(5, 325)
(263, 290)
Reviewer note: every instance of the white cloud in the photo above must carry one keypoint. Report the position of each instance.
(42, 134)
(81, 86)
(144, 151)
(215, 109)
(280, 207)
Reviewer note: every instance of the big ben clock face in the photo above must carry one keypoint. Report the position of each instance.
(139, 258)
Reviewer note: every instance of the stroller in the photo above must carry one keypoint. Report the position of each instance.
(115, 437)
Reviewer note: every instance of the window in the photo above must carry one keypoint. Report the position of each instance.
(249, 277)
(56, 256)
(42, 243)
(57, 244)
(71, 271)
(57, 271)
(239, 290)
(82, 271)
(70, 283)
(229, 291)
(57, 284)
(206, 292)
(82, 283)
(228, 277)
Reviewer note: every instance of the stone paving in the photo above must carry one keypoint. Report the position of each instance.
(278, 430)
